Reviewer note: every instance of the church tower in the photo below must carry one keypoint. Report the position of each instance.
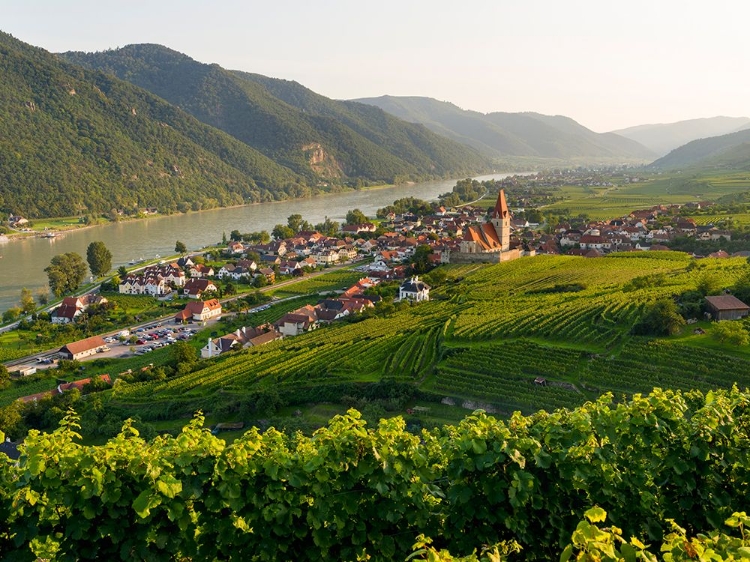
(501, 221)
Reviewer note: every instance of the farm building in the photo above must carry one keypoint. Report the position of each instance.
(727, 307)
(83, 348)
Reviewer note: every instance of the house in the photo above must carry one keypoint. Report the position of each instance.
(414, 290)
(298, 321)
(72, 307)
(186, 262)
(727, 307)
(194, 288)
(289, 267)
(242, 337)
(269, 274)
(235, 248)
(235, 272)
(199, 311)
(83, 348)
(155, 280)
(201, 271)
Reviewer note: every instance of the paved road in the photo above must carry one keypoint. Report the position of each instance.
(118, 350)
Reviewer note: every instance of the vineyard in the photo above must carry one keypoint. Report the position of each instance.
(331, 281)
(488, 333)
(527, 486)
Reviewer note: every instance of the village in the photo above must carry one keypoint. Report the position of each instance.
(387, 251)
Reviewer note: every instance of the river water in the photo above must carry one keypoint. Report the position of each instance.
(23, 260)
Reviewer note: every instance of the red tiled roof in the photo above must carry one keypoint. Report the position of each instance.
(80, 346)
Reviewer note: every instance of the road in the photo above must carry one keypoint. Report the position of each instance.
(119, 350)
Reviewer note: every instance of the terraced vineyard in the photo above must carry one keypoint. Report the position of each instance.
(487, 334)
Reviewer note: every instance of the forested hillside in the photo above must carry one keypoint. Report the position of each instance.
(512, 134)
(77, 141)
(315, 136)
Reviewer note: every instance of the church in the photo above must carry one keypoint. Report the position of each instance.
(488, 242)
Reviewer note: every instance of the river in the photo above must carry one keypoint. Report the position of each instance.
(23, 260)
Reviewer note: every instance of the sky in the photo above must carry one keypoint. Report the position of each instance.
(608, 64)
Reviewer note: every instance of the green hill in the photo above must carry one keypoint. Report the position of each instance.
(484, 337)
(724, 152)
(77, 141)
(315, 136)
(661, 138)
(501, 135)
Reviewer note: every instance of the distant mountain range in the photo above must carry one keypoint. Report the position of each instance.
(500, 135)
(314, 136)
(146, 126)
(663, 137)
(730, 152)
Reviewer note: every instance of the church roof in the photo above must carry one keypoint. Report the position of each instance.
(501, 207)
(485, 235)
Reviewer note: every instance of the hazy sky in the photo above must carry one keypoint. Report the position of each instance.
(606, 63)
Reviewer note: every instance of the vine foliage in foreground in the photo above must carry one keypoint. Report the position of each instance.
(350, 491)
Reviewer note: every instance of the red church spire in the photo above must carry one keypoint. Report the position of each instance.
(501, 207)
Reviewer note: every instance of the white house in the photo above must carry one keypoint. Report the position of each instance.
(414, 290)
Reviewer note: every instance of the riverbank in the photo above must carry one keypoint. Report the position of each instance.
(68, 224)
(73, 224)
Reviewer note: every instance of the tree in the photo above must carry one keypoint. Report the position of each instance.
(420, 261)
(235, 236)
(11, 314)
(730, 332)
(355, 216)
(42, 296)
(328, 227)
(280, 232)
(296, 223)
(27, 301)
(183, 352)
(99, 258)
(122, 272)
(4, 376)
(661, 320)
(180, 247)
(710, 284)
(65, 273)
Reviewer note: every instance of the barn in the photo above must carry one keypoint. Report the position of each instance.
(727, 307)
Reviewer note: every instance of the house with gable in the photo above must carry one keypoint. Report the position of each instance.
(199, 311)
(298, 322)
(72, 307)
(194, 288)
(241, 338)
(82, 348)
(414, 290)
